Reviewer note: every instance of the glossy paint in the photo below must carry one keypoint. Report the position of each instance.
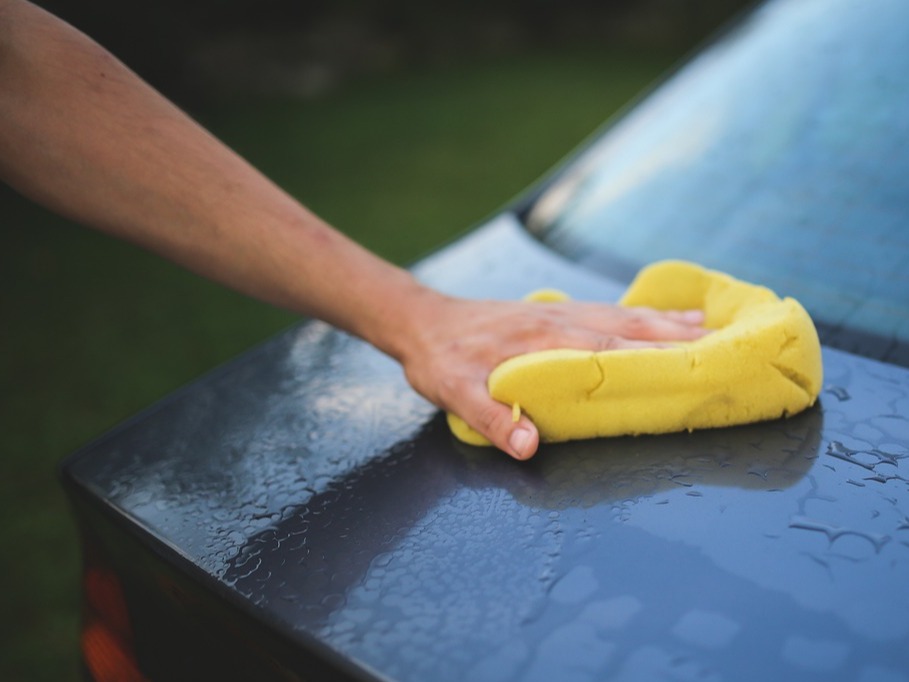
(310, 482)
(306, 486)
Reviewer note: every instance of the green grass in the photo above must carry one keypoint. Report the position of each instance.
(92, 330)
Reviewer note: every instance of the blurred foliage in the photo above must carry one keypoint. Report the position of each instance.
(198, 50)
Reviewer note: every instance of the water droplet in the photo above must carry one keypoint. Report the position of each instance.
(840, 451)
(833, 533)
(838, 392)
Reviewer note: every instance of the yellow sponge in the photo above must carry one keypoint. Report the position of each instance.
(761, 361)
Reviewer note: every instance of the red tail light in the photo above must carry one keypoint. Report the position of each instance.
(107, 639)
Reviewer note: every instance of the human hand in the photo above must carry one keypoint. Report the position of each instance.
(461, 341)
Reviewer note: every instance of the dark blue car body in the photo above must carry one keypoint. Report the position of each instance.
(301, 513)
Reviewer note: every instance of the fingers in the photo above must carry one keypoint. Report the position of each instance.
(462, 341)
(690, 317)
(671, 325)
(638, 323)
(495, 421)
(597, 327)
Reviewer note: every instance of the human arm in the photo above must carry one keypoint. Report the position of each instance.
(83, 135)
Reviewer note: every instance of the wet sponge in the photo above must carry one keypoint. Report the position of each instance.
(761, 361)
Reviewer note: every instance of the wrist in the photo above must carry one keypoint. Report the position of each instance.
(400, 319)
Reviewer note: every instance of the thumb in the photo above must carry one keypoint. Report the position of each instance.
(495, 422)
(523, 439)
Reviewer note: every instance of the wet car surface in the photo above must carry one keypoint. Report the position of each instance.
(305, 506)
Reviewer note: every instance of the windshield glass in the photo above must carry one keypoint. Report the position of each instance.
(781, 156)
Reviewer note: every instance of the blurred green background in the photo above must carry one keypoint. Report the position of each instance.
(400, 123)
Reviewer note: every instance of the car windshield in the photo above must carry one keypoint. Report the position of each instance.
(780, 155)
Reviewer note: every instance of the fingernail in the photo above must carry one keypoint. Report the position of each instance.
(518, 441)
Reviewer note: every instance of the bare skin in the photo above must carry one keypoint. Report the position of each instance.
(83, 135)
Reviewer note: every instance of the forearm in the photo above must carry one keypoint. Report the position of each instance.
(82, 134)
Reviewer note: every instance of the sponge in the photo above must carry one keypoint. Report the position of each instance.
(761, 361)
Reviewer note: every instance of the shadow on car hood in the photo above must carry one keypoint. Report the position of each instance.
(315, 487)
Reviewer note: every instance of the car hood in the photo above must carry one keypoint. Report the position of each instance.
(317, 489)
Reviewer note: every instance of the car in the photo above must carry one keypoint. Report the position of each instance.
(301, 513)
